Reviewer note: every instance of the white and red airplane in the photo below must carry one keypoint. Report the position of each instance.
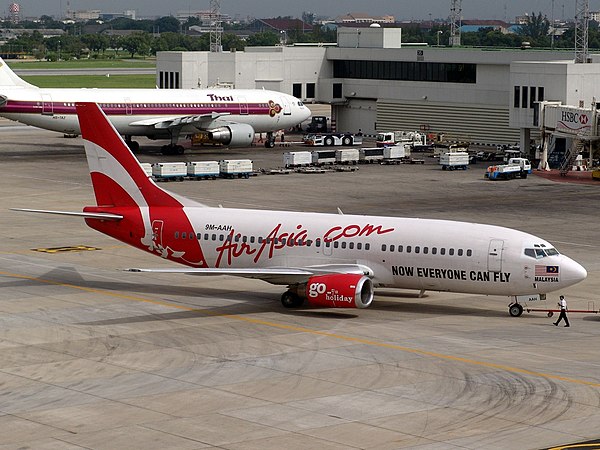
(330, 260)
(228, 116)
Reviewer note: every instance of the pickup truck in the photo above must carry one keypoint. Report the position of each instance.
(516, 167)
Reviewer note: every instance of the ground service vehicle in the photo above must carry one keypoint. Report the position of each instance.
(454, 160)
(516, 167)
(318, 124)
(417, 140)
(331, 139)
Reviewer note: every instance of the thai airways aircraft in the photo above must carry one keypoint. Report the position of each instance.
(330, 260)
(228, 116)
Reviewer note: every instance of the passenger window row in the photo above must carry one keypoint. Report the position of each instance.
(426, 250)
(260, 240)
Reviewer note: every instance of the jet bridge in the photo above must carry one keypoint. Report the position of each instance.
(579, 125)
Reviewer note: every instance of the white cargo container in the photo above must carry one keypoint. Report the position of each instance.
(321, 157)
(454, 160)
(297, 159)
(147, 168)
(203, 169)
(370, 154)
(347, 156)
(235, 168)
(169, 170)
(396, 151)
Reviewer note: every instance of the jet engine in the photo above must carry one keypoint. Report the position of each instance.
(233, 134)
(339, 291)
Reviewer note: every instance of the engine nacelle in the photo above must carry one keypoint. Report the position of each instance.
(339, 291)
(233, 134)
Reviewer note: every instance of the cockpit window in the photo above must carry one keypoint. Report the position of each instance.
(538, 253)
(300, 104)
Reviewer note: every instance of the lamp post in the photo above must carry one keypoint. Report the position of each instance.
(438, 37)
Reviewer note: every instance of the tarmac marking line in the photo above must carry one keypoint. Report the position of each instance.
(299, 329)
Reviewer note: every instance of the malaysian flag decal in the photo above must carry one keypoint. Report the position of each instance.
(546, 271)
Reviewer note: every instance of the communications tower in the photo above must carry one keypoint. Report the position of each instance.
(455, 22)
(216, 29)
(582, 18)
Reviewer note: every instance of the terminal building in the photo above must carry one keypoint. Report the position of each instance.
(375, 82)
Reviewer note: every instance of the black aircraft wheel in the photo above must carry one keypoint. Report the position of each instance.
(269, 143)
(179, 150)
(515, 310)
(291, 300)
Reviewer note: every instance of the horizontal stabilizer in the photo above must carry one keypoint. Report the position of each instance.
(86, 215)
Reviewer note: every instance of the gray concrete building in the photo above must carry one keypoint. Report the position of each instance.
(375, 82)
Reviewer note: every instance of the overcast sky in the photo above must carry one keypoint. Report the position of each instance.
(401, 9)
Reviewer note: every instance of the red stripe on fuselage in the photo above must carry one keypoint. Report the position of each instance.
(140, 109)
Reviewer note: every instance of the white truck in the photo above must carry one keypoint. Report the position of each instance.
(235, 168)
(297, 159)
(390, 138)
(331, 139)
(347, 156)
(166, 171)
(516, 167)
(454, 160)
(199, 170)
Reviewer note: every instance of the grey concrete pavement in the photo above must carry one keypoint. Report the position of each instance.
(93, 357)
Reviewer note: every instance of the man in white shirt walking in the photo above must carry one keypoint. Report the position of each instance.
(562, 303)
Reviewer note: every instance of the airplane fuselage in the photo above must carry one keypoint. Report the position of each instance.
(404, 253)
(128, 109)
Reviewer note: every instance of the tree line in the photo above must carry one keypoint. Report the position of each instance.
(167, 34)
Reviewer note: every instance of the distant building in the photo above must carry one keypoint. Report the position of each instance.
(82, 16)
(128, 14)
(363, 18)
(206, 17)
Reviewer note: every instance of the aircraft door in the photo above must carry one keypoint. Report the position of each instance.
(287, 110)
(243, 106)
(495, 255)
(327, 248)
(47, 105)
(128, 106)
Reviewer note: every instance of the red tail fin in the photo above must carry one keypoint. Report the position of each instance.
(117, 176)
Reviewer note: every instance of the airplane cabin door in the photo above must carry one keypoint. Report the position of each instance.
(47, 105)
(128, 106)
(243, 106)
(495, 255)
(287, 109)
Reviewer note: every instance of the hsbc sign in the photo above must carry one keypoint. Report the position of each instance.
(574, 120)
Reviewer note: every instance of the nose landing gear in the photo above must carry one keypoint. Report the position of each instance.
(515, 309)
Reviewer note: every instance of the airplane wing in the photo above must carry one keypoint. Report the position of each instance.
(201, 121)
(273, 275)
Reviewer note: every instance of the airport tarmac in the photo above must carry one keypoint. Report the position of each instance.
(94, 357)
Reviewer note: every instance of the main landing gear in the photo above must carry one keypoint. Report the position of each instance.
(291, 300)
(515, 309)
(270, 141)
